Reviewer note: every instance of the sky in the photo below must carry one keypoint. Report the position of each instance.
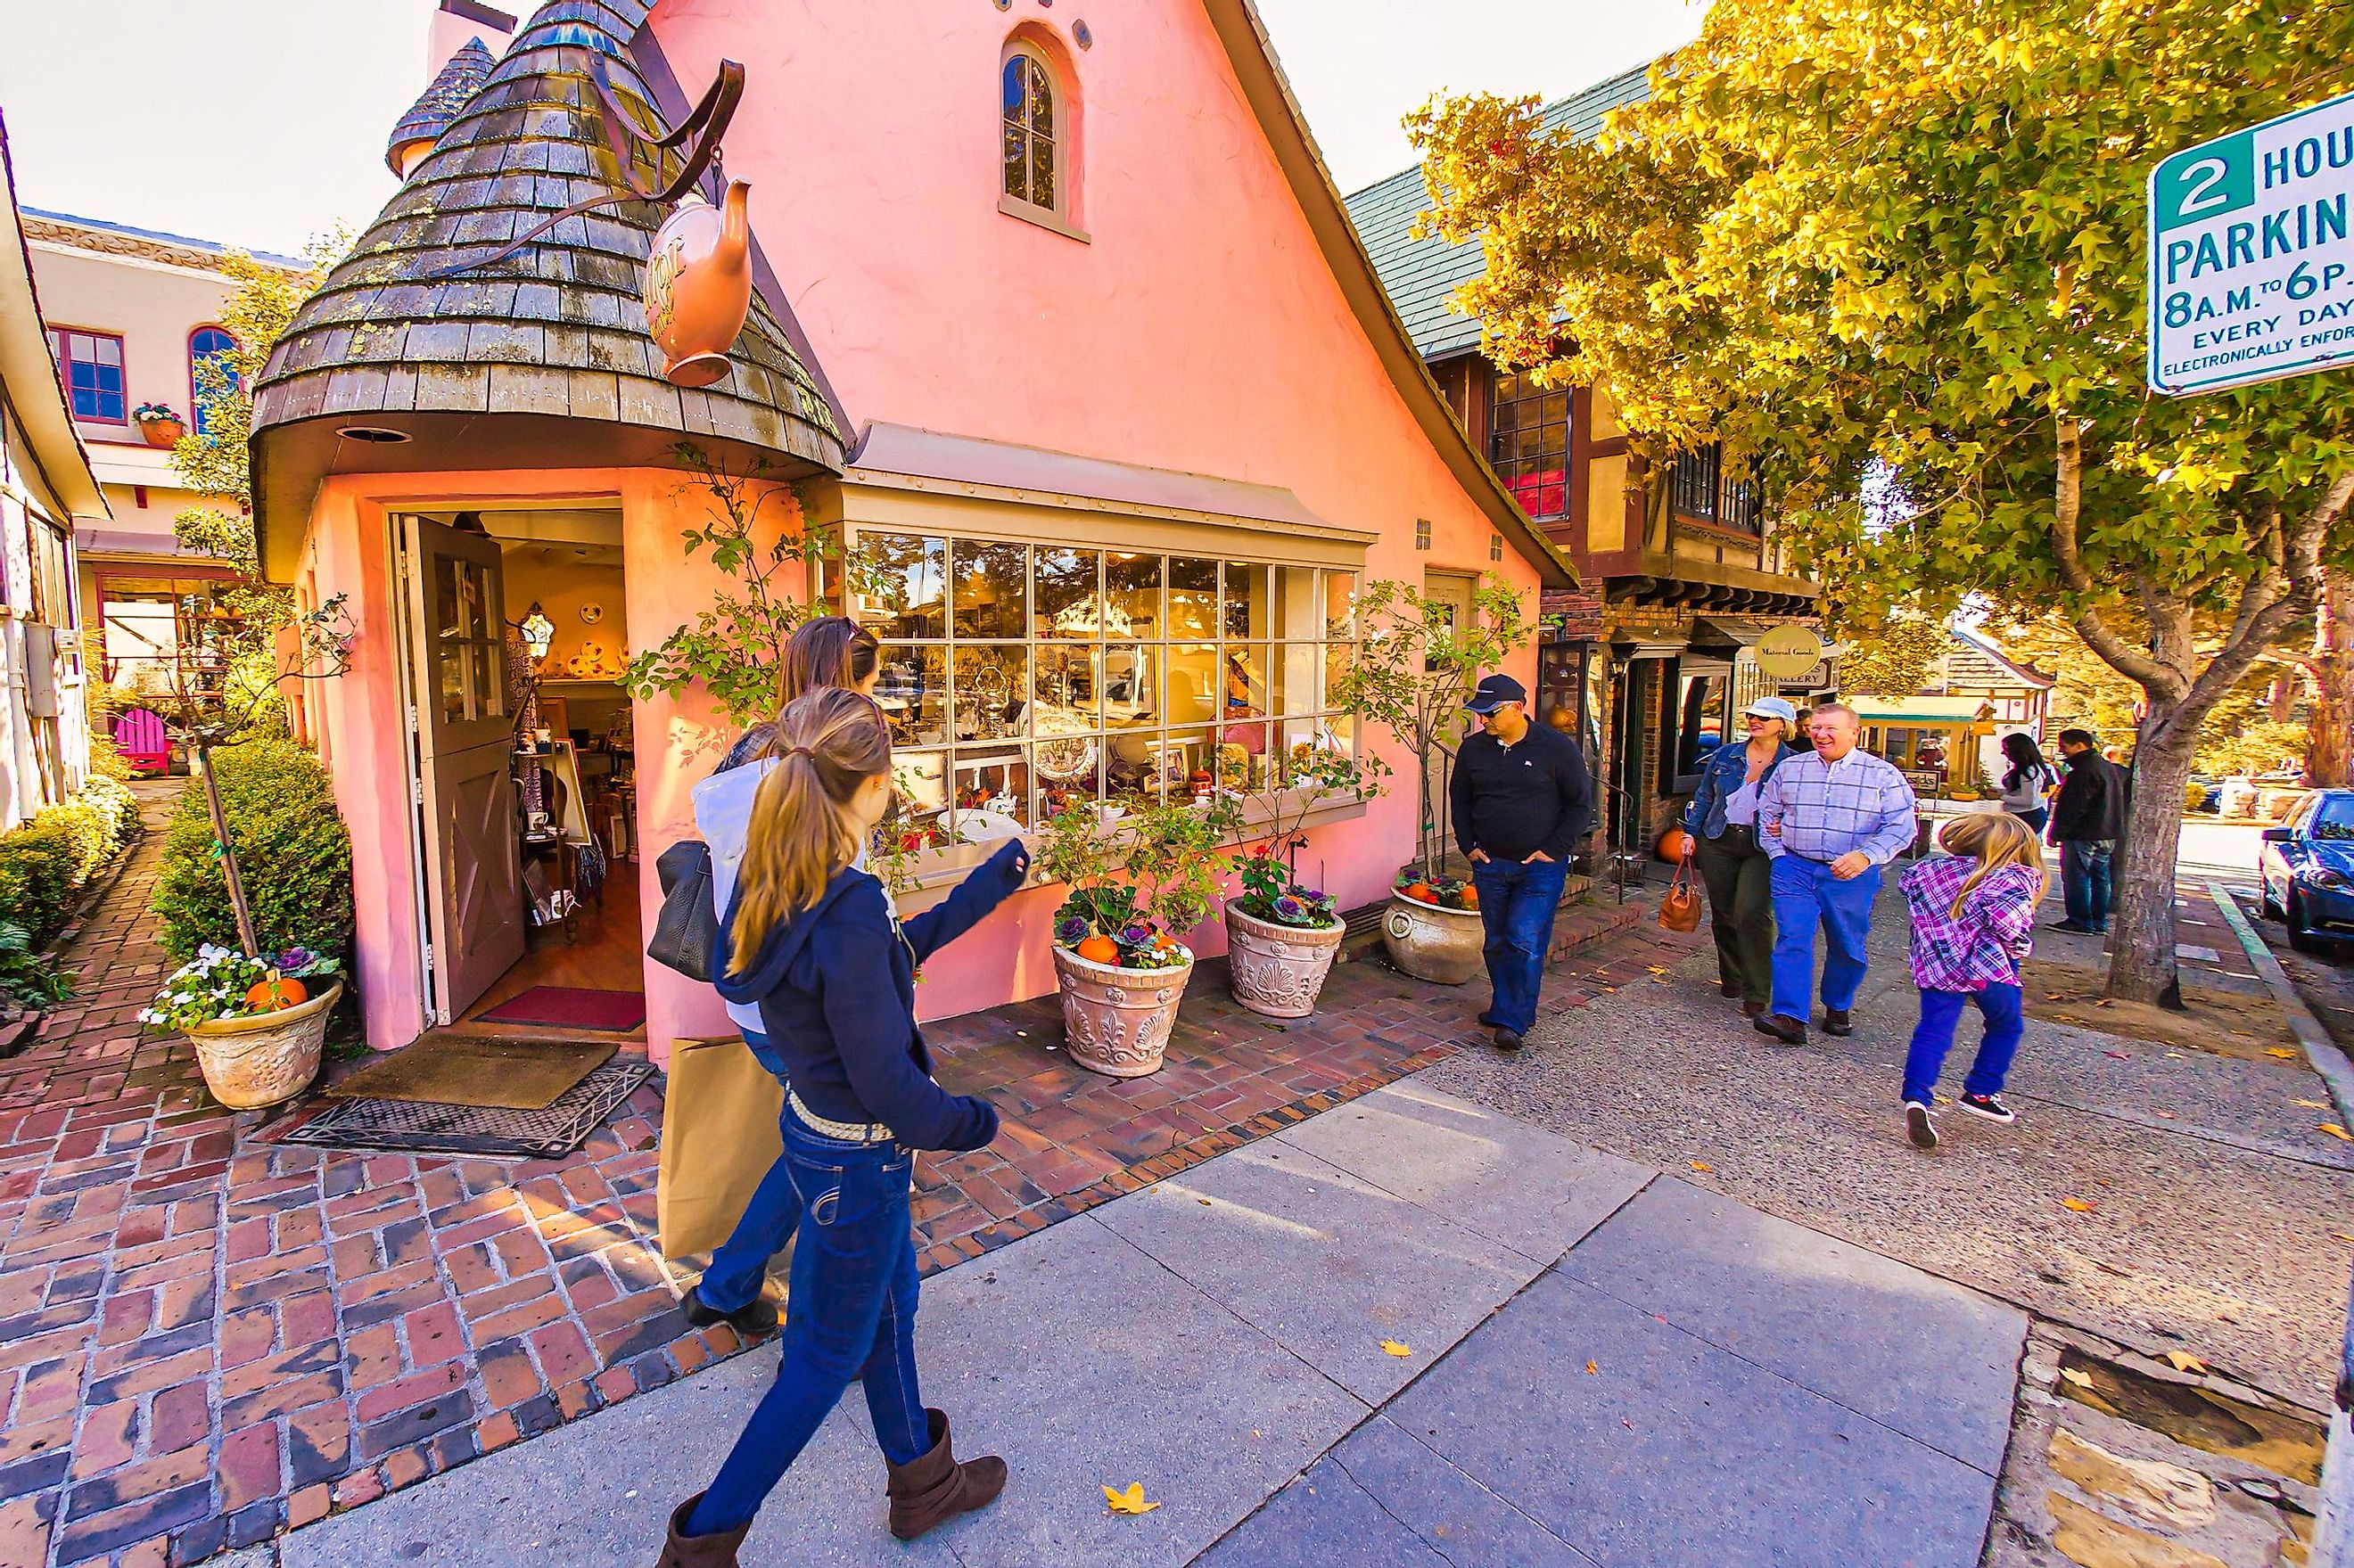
(261, 122)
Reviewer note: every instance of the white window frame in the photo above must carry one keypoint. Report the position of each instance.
(1057, 216)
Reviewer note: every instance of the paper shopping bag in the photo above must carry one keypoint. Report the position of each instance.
(719, 1137)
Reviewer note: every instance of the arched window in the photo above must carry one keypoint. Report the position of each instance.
(1032, 122)
(207, 343)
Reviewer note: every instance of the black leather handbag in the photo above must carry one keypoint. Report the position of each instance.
(687, 929)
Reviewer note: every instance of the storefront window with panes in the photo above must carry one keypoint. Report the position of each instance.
(166, 637)
(1024, 678)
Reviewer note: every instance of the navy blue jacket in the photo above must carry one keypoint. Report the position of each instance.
(836, 989)
(1719, 777)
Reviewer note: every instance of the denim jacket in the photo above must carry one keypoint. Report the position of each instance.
(1727, 767)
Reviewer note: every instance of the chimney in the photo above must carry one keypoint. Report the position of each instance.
(456, 21)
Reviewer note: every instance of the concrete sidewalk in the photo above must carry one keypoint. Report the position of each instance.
(1759, 1393)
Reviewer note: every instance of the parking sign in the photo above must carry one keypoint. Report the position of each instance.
(2250, 265)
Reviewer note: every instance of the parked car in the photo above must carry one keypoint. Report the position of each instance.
(2307, 869)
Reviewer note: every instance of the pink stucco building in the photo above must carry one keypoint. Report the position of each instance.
(1063, 333)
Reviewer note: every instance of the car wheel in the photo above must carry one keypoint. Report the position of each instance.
(2268, 904)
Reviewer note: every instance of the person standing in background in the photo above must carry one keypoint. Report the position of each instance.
(1521, 804)
(2027, 782)
(1831, 821)
(2088, 815)
(1722, 826)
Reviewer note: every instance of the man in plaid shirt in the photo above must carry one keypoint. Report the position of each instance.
(1830, 822)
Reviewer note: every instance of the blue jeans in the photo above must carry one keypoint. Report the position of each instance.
(2085, 881)
(1941, 1011)
(2036, 820)
(849, 1313)
(1517, 902)
(1806, 894)
(739, 1267)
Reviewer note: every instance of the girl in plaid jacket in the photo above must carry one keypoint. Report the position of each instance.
(1973, 914)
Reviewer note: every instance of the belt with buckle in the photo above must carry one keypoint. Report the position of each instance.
(846, 1131)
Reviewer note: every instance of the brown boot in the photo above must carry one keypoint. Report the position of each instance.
(935, 1488)
(685, 1550)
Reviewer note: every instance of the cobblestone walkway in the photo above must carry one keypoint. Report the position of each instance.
(206, 1339)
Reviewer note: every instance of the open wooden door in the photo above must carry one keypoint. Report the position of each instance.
(465, 738)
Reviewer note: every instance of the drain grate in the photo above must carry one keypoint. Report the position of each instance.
(495, 1132)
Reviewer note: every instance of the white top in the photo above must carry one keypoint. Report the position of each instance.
(1741, 806)
(722, 814)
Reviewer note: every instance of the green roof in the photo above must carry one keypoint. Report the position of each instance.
(1422, 275)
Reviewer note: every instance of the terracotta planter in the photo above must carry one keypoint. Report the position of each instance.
(1277, 971)
(1445, 947)
(698, 285)
(161, 432)
(250, 1063)
(1118, 1021)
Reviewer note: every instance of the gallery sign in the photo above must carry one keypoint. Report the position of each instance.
(2250, 265)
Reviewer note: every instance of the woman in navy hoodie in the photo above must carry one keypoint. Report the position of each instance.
(813, 943)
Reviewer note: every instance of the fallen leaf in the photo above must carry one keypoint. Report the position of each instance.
(1594, 1368)
(2341, 1236)
(2165, 1115)
(2052, 995)
(2120, 1055)
(1658, 969)
(1130, 1502)
(2314, 1105)
(2103, 1002)
(1700, 1165)
(1941, 1099)
(2276, 1051)
(2334, 1130)
(1204, 1201)
(1393, 1347)
(2185, 1361)
(2079, 1379)
(2077, 1204)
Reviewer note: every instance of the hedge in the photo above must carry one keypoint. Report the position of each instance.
(54, 853)
(292, 853)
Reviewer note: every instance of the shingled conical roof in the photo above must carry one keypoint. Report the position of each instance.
(551, 342)
(438, 104)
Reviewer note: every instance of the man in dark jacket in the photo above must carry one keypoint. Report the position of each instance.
(1521, 804)
(2087, 817)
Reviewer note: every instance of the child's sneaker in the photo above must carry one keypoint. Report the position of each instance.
(1918, 1127)
(1988, 1106)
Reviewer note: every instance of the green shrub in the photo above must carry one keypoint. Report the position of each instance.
(45, 861)
(292, 850)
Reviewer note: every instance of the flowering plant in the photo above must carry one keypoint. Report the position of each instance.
(1269, 869)
(156, 414)
(1445, 892)
(1136, 879)
(214, 985)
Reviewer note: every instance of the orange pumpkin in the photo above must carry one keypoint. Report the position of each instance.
(1099, 950)
(273, 994)
(1470, 896)
(1417, 891)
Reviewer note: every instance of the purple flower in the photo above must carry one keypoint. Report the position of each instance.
(1136, 935)
(1071, 930)
(1290, 909)
(294, 960)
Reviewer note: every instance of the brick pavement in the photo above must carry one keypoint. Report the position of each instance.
(206, 1339)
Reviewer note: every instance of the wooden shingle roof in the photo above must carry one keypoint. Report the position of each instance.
(438, 104)
(551, 341)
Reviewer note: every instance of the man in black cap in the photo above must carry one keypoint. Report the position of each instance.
(1521, 804)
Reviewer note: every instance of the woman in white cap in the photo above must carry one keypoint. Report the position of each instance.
(1721, 829)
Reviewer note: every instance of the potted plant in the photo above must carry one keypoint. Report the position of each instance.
(1281, 937)
(1137, 881)
(258, 1024)
(1418, 659)
(159, 426)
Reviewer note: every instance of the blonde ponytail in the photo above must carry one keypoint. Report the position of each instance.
(828, 743)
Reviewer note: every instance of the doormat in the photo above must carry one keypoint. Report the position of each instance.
(462, 1070)
(572, 1007)
(494, 1132)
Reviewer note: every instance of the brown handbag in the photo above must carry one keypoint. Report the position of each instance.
(1680, 909)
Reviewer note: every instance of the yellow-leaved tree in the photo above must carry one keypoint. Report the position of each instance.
(1890, 251)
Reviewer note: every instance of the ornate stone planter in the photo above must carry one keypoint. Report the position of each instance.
(1443, 946)
(250, 1063)
(1117, 1019)
(1275, 969)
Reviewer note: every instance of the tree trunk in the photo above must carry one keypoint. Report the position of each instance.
(2141, 916)
(2329, 749)
(2280, 699)
(245, 933)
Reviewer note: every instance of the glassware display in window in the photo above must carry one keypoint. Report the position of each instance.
(992, 588)
(1132, 595)
(1069, 603)
(911, 685)
(1192, 597)
(991, 690)
(1064, 698)
(991, 790)
(919, 804)
(902, 579)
